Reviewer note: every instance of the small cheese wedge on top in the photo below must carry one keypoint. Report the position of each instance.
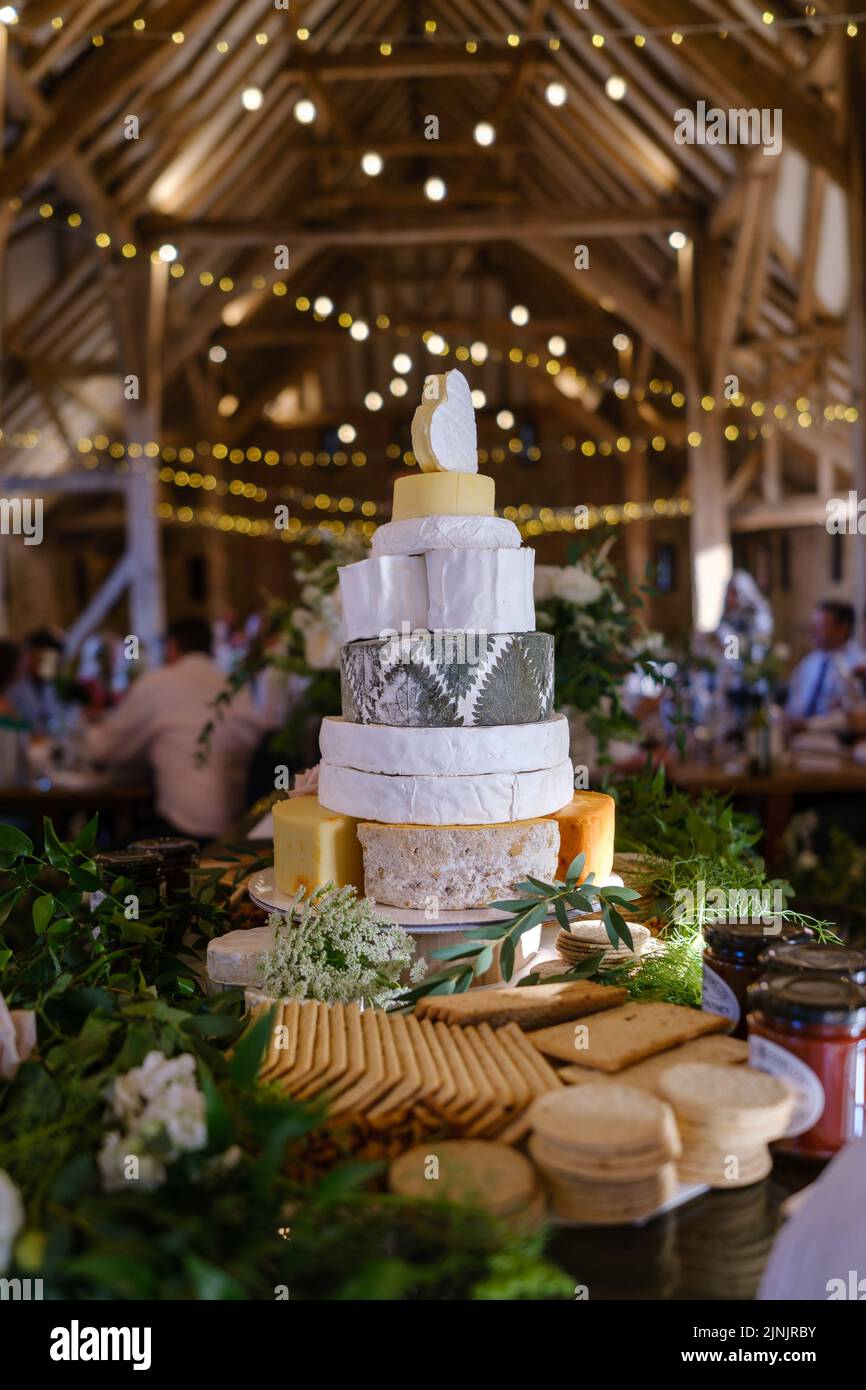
(444, 437)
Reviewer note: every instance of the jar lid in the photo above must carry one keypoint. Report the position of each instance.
(751, 938)
(172, 849)
(810, 999)
(806, 957)
(129, 863)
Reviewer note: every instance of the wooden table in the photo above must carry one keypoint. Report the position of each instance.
(120, 804)
(778, 791)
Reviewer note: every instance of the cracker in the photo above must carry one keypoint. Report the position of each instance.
(321, 1055)
(627, 1034)
(604, 1119)
(521, 1090)
(420, 1044)
(339, 1058)
(714, 1094)
(356, 1057)
(287, 1016)
(533, 1006)
(369, 1083)
(464, 1091)
(409, 1084)
(447, 1089)
(485, 1101)
(646, 1075)
(485, 1174)
(292, 1074)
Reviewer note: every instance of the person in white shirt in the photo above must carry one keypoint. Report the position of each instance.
(159, 722)
(827, 681)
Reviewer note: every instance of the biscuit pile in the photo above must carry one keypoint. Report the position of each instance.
(726, 1117)
(385, 1071)
(585, 939)
(494, 1177)
(606, 1152)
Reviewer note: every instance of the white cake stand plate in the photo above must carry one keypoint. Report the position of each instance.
(264, 892)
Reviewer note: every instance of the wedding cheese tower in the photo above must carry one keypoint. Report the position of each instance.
(447, 779)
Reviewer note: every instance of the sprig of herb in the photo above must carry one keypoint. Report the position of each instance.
(540, 901)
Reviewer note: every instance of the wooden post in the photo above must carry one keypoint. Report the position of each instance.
(710, 537)
(856, 154)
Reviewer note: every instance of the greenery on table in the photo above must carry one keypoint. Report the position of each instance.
(120, 1008)
(594, 616)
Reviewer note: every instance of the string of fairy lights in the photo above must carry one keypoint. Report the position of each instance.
(432, 33)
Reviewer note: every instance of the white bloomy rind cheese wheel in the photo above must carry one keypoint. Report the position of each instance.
(481, 590)
(454, 752)
(417, 535)
(484, 799)
(444, 437)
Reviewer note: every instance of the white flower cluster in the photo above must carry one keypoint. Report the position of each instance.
(571, 583)
(162, 1112)
(336, 949)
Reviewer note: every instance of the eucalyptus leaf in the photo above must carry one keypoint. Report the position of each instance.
(483, 961)
(575, 868)
(506, 958)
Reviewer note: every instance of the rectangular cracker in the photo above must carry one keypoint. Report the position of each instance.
(337, 1054)
(627, 1034)
(356, 1056)
(447, 1089)
(292, 1074)
(464, 1092)
(499, 1080)
(286, 1016)
(409, 1085)
(717, 1048)
(485, 1101)
(430, 1077)
(501, 1058)
(533, 1006)
(369, 1083)
(546, 1078)
(321, 1055)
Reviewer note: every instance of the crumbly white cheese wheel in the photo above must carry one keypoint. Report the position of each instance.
(443, 868)
(419, 534)
(381, 594)
(444, 436)
(488, 590)
(454, 752)
(484, 799)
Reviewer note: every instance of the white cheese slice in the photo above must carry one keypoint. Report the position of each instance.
(459, 751)
(416, 535)
(380, 594)
(444, 437)
(483, 799)
(486, 590)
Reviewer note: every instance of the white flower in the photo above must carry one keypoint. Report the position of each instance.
(544, 583)
(306, 783)
(11, 1218)
(17, 1038)
(576, 585)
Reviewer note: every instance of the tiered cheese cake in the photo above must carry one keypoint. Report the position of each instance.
(447, 779)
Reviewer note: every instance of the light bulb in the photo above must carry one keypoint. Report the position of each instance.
(479, 400)
(402, 363)
(435, 189)
(505, 420)
(556, 94)
(616, 87)
(479, 352)
(373, 401)
(484, 133)
(305, 111)
(252, 98)
(359, 330)
(372, 164)
(557, 346)
(346, 434)
(168, 253)
(678, 240)
(520, 315)
(323, 306)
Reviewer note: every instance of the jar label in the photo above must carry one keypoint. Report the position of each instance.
(718, 997)
(809, 1105)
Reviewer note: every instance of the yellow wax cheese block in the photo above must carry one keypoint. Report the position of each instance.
(443, 494)
(313, 845)
(586, 826)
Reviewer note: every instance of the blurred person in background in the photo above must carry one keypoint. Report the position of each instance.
(159, 722)
(825, 685)
(34, 695)
(747, 616)
(13, 730)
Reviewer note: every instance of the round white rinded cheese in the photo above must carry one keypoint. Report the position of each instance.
(490, 798)
(237, 957)
(460, 751)
(416, 535)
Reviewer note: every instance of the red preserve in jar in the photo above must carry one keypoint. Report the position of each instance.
(731, 964)
(811, 957)
(810, 1030)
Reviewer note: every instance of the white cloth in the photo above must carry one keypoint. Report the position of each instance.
(159, 722)
(838, 689)
(824, 1242)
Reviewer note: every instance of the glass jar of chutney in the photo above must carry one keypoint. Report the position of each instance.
(143, 868)
(814, 957)
(731, 964)
(810, 1030)
(179, 856)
